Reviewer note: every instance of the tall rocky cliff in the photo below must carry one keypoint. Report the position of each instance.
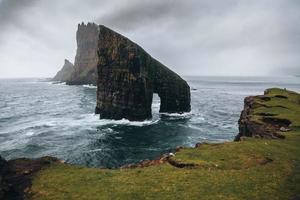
(264, 116)
(86, 59)
(128, 77)
(65, 73)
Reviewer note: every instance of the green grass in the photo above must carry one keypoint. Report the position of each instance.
(250, 169)
(279, 107)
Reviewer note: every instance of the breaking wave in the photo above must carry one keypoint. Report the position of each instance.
(90, 86)
(42, 117)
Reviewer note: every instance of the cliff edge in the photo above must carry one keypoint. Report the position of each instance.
(269, 115)
(257, 167)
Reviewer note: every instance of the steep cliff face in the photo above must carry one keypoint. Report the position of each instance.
(248, 126)
(128, 77)
(85, 70)
(265, 115)
(16, 175)
(3, 184)
(65, 73)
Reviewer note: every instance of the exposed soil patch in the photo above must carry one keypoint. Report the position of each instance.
(277, 122)
(281, 96)
(265, 161)
(264, 98)
(278, 106)
(181, 165)
(266, 114)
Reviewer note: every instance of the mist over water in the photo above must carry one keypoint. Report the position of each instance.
(39, 118)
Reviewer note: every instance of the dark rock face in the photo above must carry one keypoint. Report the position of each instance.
(16, 175)
(3, 184)
(248, 127)
(128, 77)
(86, 59)
(65, 73)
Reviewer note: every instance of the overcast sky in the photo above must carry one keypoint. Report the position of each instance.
(192, 37)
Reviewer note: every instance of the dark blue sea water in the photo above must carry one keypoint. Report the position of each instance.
(39, 118)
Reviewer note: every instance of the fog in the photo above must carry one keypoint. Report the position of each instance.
(192, 37)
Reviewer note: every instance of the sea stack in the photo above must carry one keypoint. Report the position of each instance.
(85, 70)
(65, 73)
(128, 77)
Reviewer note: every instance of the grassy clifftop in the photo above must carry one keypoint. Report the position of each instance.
(269, 115)
(254, 168)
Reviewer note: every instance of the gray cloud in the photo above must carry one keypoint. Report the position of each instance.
(11, 12)
(193, 37)
(141, 13)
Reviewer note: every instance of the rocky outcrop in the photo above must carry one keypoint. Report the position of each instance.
(267, 124)
(3, 183)
(85, 70)
(16, 175)
(65, 73)
(249, 127)
(128, 77)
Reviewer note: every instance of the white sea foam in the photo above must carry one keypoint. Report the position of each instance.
(83, 121)
(48, 82)
(195, 127)
(29, 133)
(90, 86)
(196, 120)
(58, 83)
(126, 122)
(92, 120)
(95, 150)
(109, 130)
(184, 115)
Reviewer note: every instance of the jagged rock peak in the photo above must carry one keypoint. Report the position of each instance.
(89, 24)
(86, 59)
(67, 62)
(128, 77)
(65, 73)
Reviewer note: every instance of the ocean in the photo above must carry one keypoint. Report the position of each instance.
(39, 118)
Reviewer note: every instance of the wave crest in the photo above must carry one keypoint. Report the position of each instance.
(90, 86)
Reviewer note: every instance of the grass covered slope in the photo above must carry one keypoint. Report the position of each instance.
(278, 104)
(249, 169)
(269, 115)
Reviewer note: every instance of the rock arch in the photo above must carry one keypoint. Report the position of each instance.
(127, 78)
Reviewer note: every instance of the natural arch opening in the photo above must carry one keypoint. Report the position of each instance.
(155, 106)
(128, 77)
